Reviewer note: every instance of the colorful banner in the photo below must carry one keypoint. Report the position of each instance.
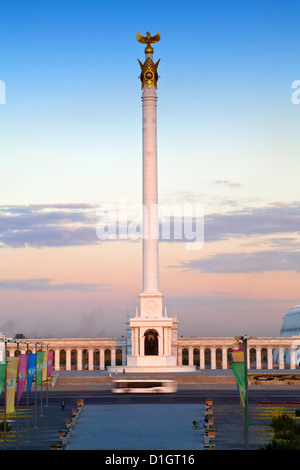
(237, 355)
(45, 366)
(239, 371)
(22, 373)
(50, 361)
(39, 367)
(11, 381)
(31, 370)
(3, 367)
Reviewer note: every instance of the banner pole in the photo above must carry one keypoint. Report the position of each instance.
(35, 425)
(27, 398)
(41, 415)
(244, 362)
(16, 396)
(246, 397)
(5, 398)
(47, 377)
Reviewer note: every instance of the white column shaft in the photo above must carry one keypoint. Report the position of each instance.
(150, 193)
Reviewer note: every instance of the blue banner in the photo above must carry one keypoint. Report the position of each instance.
(31, 369)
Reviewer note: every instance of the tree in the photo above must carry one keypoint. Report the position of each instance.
(20, 336)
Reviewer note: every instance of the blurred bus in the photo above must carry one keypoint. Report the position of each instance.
(144, 386)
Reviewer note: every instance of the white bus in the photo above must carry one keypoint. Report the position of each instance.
(144, 386)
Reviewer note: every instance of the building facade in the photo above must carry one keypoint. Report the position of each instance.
(201, 353)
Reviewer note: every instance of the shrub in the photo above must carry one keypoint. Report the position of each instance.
(285, 427)
(286, 434)
(281, 445)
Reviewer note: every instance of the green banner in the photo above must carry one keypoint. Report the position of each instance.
(45, 365)
(39, 367)
(239, 371)
(3, 367)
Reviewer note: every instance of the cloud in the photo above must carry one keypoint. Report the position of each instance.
(259, 261)
(46, 284)
(75, 224)
(269, 220)
(50, 236)
(48, 225)
(229, 183)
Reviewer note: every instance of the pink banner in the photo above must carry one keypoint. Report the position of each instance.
(50, 360)
(22, 373)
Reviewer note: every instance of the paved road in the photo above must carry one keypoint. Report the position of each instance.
(181, 396)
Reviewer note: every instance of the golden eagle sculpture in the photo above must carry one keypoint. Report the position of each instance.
(148, 40)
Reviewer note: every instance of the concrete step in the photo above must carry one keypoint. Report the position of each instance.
(187, 380)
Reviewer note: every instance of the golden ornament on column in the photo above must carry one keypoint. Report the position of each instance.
(148, 40)
(149, 75)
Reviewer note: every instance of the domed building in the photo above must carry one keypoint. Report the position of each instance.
(290, 327)
(291, 323)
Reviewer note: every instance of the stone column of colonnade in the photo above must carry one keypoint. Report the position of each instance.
(292, 358)
(270, 357)
(224, 357)
(258, 357)
(68, 358)
(281, 357)
(56, 359)
(79, 359)
(202, 357)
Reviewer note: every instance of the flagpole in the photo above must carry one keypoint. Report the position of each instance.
(5, 398)
(47, 378)
(41, 415)
(35, 426)
(245, 343)
(17, 393)
(27, 398)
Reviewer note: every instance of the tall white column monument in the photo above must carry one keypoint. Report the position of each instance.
(152, 335)
(150, 297)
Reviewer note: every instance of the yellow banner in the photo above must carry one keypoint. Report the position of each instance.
(238, 355)
(11, 382)
(45, 366)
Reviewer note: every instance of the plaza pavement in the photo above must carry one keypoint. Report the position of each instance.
(136, 426)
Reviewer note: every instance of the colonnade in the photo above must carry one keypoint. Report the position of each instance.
(212, 353)
(107, 356)
(262, 353)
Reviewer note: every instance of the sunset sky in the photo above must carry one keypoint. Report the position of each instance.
(71, 144)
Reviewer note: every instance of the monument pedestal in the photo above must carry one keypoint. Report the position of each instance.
(155, 364)
(153, 341)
